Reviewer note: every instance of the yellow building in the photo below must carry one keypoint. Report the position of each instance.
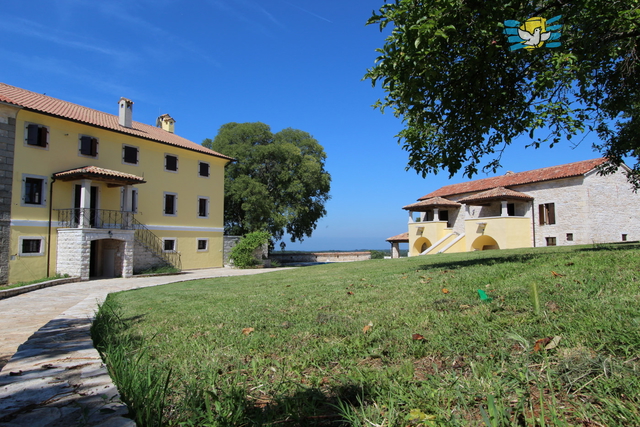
(560, 205)
(87, 193)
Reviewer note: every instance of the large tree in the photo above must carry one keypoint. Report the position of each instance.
(463, 95)
(278, 182)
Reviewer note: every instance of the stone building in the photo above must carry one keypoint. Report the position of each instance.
(570, 204)
(87, 193)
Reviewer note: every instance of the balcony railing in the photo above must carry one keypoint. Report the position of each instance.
(119, 220)
(94, 218)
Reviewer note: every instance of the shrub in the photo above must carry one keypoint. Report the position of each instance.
(377, 255)
(242, 253)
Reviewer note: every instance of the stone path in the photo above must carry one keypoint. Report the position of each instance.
(53, 376)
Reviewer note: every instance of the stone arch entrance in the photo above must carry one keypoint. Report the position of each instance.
(484, 243)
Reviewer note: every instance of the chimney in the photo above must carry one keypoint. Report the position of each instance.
(166, 123)
(125, 110)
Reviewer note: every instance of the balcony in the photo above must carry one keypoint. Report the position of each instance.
(95, 218)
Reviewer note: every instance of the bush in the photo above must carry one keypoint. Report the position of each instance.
(242, 253)
(377, 255)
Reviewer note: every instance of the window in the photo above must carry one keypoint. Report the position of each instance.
(169, 244)
(203, 169)
(88, 146)
(36, 135)
(31, 246)
(203, 207)
(569, 237)
(203, 245)
(624, 237)
(170, 203)
(170, 163)
(33, 190)
(551, 241)
(130, 154)
(511, 209)
(547, 213)
(134, 199)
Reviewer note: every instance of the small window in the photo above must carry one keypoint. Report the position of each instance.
(31, 246)
(170, 203)
(203, 169)
(88, 146)
(624, 237)
(511, 209)
(551, 241)
(33, 190)
(170, 163)
(569, 237)
(130, 154)
(169, 245)
(203, 207)
(203, 245)
(547, 213)
(37, 135)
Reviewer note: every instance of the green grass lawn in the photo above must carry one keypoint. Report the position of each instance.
(405, 342)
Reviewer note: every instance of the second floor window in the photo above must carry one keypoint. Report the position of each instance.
(37, 135)
(88, 146)
(203, 207)
(203, 169)
(130, 154)
(170, 163)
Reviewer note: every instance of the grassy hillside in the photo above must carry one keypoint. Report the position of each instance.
(388, 343)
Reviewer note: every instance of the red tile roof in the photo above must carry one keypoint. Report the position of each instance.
(520, 178)
(400, 238)
(100, 174)
(433, 202)
(55, 107)
(499, 193)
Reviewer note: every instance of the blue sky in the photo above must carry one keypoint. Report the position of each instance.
(286, 63)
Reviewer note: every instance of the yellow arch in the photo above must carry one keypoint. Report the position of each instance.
(421, 245)
(484, 243)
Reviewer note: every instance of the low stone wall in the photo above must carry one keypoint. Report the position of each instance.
(229, 243)
(290, 258)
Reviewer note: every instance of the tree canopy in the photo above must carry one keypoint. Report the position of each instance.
(278, 183)
(464, 96)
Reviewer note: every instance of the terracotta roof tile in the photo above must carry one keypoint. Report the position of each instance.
(67, 110)
(94, 172)
(401, 238)
(499, 193)
(431, 203)
(520, 178)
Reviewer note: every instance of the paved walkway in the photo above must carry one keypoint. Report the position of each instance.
(53, 376)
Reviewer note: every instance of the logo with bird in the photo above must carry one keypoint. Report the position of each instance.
(534, 33)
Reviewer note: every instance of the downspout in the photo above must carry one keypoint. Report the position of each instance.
(53, 179)
(533, 222)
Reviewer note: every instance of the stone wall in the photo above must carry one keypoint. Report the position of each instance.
(74, 250)
(144, 259)
(289, 258)
(7, 143)
(229, 243)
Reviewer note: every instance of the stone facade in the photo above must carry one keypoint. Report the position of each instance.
(113, 254)
(144, 259)
(7, 138)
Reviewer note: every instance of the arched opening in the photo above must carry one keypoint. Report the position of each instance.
(484, 243)
(421, 245)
